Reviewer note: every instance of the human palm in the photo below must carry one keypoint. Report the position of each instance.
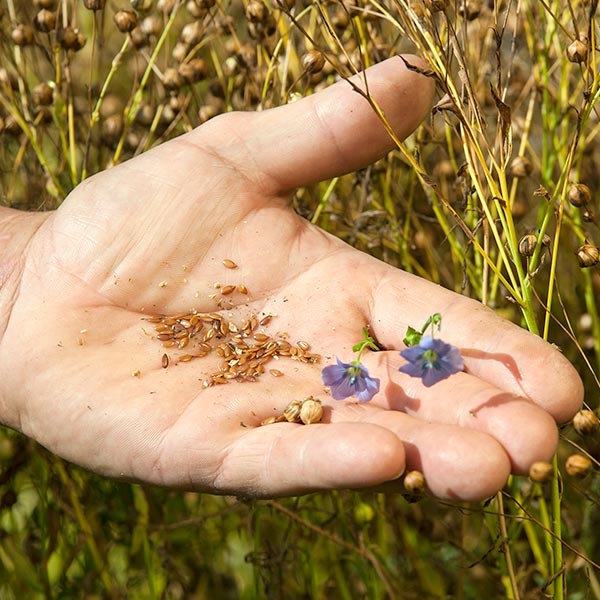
(149, 237)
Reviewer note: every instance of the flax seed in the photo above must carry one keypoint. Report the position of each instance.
(303, 345)
(242, 289)
(165, 361)
(229, 264)
(185, 358)
(228, 289)
(276, 372)
(265, 320)
(261, 337)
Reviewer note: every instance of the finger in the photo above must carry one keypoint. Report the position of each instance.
(286, 459)
(526, 431)
(458, 463)
(495, 350)
(332, 132)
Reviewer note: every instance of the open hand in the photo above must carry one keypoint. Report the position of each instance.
(79, 374)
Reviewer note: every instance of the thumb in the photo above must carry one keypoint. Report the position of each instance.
(332, 132)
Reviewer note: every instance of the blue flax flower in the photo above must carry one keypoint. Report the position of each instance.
(432, 360)
(350, 379)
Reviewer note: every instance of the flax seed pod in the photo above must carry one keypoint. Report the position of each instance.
(256, 11)
(520, 166)
(172, 79)
(112, 128)
(192, 33)
(579, 195)
(527, 244)
(313, 61)
(577, 51)
(48, 4)
(541, 471)
(195, 10)
(22, 35)
(193, 71)
(311, 411)
(586, 422)
(292, 412)
(138, 38)
(141, 5)
(70, 39)
(578, 466)
(125, 20)
(94, 5)
(436, 5)
(42, 94)
(414, 482)
(44, 20)
(587, 255)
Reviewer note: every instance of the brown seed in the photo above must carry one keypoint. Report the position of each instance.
(228, 289)
(94, 4)
(541, 471)
(209, 335)
(311, 411)
(269, 420)
(261, 337)
(165, 361)
(586, 422)
(265, 320)
(276, 372)
(242, 289)
(230, 264)
(303, 345)
(185, 358)
(164, 336)
(578, 465)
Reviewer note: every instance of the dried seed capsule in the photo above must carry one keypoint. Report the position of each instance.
(22, 35)
(70, 39)
(42, 94)
(141, 5)
(49, 4)
(192, 33)
(541, 471)
(527, 244)
(587, 255)
(520, 166)
(313, 61)
(94, 4)
(193, 71)
(256, 11)
(138, 38)
(311, 411)
(292, 412)
(578, 465)
(172, 79)
(152, 25)
(579, 195)
(45, 20)
(414, 482)
(125, 20)
(112, 128)
(577, 51)
(586, 422)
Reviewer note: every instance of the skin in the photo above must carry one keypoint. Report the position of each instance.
(76, 283)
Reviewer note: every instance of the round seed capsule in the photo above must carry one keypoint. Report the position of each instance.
(520, 166)
(414, 482)
(587, 255)
(292, 412)
(527, 244)
(541, 471)
(45, 20)
(586, 422)
(125, 20)
(577, 51)
(578, 466)
(311, 411)
(579, 195)
(313, 61)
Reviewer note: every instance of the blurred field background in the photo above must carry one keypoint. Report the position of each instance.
(494, 197)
